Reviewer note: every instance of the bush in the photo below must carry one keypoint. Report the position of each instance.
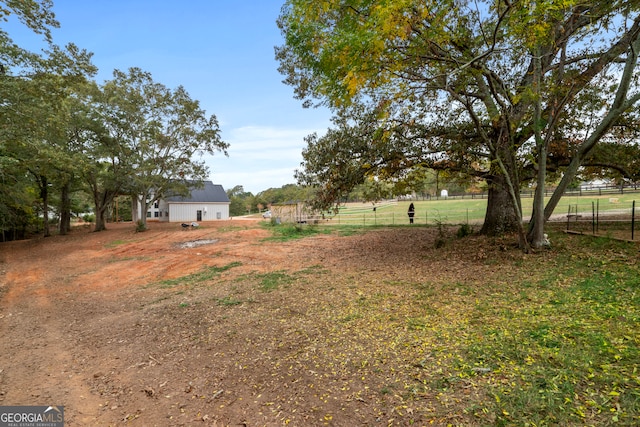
(464, 231)
(140, 226)
(441, 238)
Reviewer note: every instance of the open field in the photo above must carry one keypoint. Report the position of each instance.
(468, 210)
(242, 323)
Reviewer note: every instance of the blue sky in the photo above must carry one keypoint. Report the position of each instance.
(222, 52)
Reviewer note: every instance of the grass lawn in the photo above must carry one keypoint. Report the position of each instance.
(509, 340)
(459, 211)
(342, 325)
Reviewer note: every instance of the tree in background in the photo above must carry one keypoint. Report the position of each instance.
(61, 133)
(241, 202)
(53, 149)
(17, 198)
(36, 15)
(244, 202)
(106, 169)
(485, 86)
(358, 149)
(160, 132)
(34, 89)
(288, 193)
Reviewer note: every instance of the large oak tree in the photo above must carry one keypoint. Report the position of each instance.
(486, 83)
(156, 135)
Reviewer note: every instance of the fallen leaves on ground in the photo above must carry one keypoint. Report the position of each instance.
(377, 327)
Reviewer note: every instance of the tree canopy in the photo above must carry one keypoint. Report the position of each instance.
(61, 133)
(160, 132)
(489, 88)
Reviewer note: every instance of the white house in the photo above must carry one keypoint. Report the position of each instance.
(204, 204)
(595, 184)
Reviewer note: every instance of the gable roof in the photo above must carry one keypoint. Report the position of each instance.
(210, 193)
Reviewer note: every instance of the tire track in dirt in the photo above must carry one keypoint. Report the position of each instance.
(33, 322)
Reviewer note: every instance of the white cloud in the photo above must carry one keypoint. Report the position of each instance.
(250, 138)
(260, 157)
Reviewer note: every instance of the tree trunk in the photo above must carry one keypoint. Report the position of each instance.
(538, 220)
(569, 174)
(44, 195)
(142, 221)
(500, 216)
(101, 201)
(536, 229)
(135, 206)
(504, 208)
(101, 223)
(65, 210)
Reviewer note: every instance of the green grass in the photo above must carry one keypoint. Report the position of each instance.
(284, 232)
(115, 243)
(271, 281)
(555, 344)
(274, 280)
(207, 274)
(228, 301)
(231, 229)
(460, 211)
(573, 352)
(562, 349)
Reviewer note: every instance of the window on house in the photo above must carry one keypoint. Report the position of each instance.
(155, 205)
(155, 214)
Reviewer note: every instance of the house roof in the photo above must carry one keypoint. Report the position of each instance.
(210, 193)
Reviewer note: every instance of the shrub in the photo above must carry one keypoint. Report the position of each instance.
(464, 231)
(140, 226)
(441, 238)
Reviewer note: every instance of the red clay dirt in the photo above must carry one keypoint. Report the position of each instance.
(118, 327)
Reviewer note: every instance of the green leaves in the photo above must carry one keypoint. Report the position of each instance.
(158, 134)
(462, 86)
(35, 14)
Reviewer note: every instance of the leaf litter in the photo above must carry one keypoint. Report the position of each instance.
(378, 327)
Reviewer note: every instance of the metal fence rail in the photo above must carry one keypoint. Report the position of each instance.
(423, 217)
(618, 223)
(595, 191)
(580, 218)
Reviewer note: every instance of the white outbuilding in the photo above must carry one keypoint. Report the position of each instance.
(208, 203)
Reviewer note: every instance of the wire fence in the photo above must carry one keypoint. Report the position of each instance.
(423, 217)
(582, 191)
(599, 217)
(619, 223)
(607, 212)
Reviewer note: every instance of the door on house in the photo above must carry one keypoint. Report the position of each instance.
(199, 215)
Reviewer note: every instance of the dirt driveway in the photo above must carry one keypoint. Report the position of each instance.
(211, 326)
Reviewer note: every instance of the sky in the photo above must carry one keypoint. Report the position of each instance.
(222, 53)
